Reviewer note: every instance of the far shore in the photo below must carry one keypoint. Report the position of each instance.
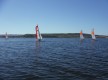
(52, 35)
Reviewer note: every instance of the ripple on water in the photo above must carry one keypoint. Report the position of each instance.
(53, 59)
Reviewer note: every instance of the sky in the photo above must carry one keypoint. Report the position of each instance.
(53, 16)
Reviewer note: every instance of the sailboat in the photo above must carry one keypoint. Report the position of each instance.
(81, 35)
(6, 36)
(38, 34)
(93, 35)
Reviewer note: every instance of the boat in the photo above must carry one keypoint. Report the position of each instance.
(38, 34)
(81, 35)
(6, 35)
(93, 35)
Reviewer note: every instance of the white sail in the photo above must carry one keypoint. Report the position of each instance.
(93, 34)
(6, 36)
(40, 36)
(81, 35)
(93, 37)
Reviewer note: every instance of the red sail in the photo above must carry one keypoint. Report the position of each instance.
(37, 32)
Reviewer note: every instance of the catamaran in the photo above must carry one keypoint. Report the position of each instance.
(38, 34)
(93, 35)
(6, 36)
(81, 35)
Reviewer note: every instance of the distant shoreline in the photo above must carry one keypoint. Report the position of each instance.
(52, 35)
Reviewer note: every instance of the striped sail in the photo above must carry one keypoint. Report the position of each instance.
(38, 34)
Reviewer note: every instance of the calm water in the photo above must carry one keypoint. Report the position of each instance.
(53, 59)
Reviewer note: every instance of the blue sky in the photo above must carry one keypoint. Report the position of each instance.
(53, 16)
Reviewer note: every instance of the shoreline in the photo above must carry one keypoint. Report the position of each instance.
(52, 35)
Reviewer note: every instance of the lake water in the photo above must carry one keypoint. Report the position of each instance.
(53, 59)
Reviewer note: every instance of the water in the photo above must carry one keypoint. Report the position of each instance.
(53, 59)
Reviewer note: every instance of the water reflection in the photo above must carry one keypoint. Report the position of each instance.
(81, 41)
(53, 59)
(38, 45)
(93, 42)
(38, 50)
